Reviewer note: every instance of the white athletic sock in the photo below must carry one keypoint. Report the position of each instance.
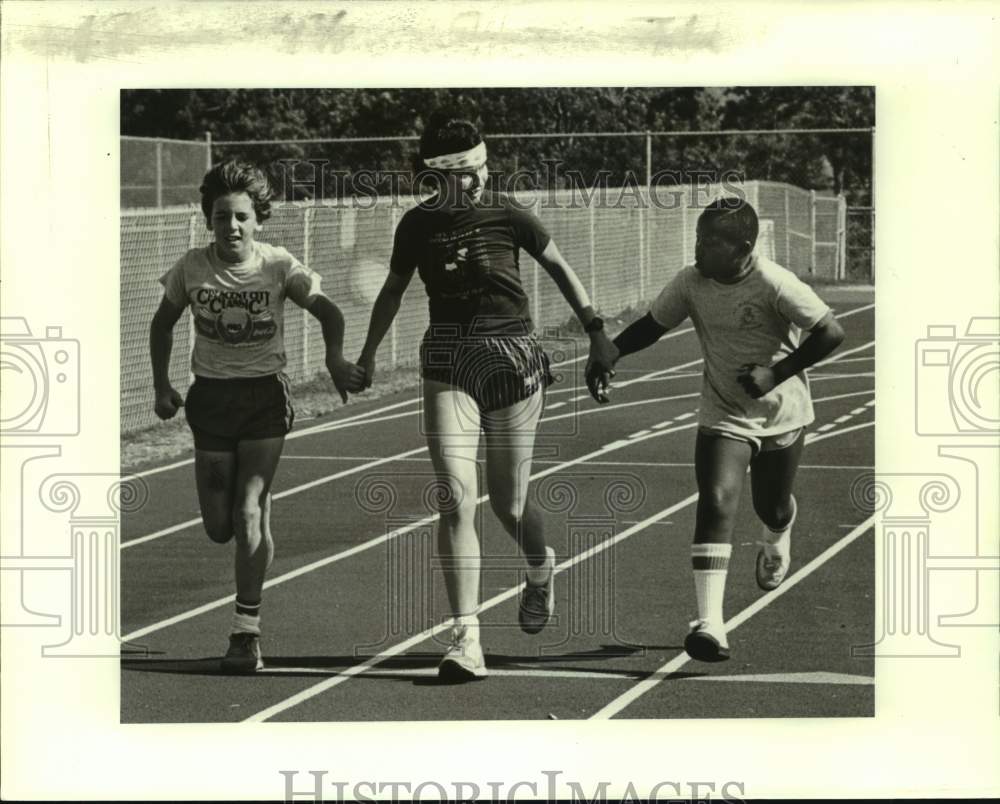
(471, 623)
(779, 542)
(710, 563)
(246, 623)
(540, 574)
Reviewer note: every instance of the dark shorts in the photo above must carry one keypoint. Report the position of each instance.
(223, 412)
(497, 371)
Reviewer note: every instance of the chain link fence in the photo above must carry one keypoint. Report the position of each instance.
(624, 243)
(831, 162)
(157, 172)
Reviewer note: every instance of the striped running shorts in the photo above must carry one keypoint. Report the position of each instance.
(497, 371)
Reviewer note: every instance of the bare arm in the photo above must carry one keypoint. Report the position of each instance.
(600, 365)
(346, 376)
(161, 344)
(383, 313)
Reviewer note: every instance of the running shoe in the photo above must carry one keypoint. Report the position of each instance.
(707, 642)
(243, 655)
(538, 601)
(463, 661)
(774, 558)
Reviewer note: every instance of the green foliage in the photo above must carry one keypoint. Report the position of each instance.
(834, 163)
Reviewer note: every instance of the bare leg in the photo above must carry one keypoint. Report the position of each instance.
(215, 478)
(257, 461)
(451, 421)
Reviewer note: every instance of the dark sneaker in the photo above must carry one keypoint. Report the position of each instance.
(243, 655)
(707, 642)
(538, 602)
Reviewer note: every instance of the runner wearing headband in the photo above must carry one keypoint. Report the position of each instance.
(483, 368)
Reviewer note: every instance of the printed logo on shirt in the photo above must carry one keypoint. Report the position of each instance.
(463, 256)
(460, 255)
(748, 316)
(234, 318)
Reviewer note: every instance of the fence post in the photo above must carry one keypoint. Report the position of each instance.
(159, 174)
(649, 160)
(307, 261)
(208, 151)
(841, 238)
(536, 209)
(812, 225)
(593, 258)
(642, 253)
(192, 229)
(788, 236)
(392, 331)
(684, 230)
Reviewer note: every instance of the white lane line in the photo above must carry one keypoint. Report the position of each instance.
(588, 411)
(814, 677)
(842, 419)
(867, 392)
(402, 647)
(294, 490)
(841, 355)
(377, 540)
(431, 672)
(361, 417)
(403, 456)
(336, 424)
(576, 388)
(819, 377)
(689, 465)
(869, 404)
(638, 434)
(611, 709)
(839, 431)
(398, 456)
(858, 359)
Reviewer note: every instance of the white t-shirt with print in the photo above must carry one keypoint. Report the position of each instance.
(756, 320)
(238, 309)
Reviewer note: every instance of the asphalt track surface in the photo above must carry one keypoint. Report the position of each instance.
(354, 608)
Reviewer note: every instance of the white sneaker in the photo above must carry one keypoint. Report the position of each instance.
(463, 661)
(707, 642)
(774, 559)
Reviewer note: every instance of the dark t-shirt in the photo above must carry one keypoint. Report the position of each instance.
(468, 261)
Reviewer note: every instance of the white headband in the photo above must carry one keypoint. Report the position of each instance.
(472, 158)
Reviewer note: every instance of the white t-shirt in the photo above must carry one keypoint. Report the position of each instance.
(756, 320)
(238, 309)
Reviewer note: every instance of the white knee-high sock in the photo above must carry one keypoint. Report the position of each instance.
(710, 563)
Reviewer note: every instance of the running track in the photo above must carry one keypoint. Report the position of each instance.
(354, 606)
